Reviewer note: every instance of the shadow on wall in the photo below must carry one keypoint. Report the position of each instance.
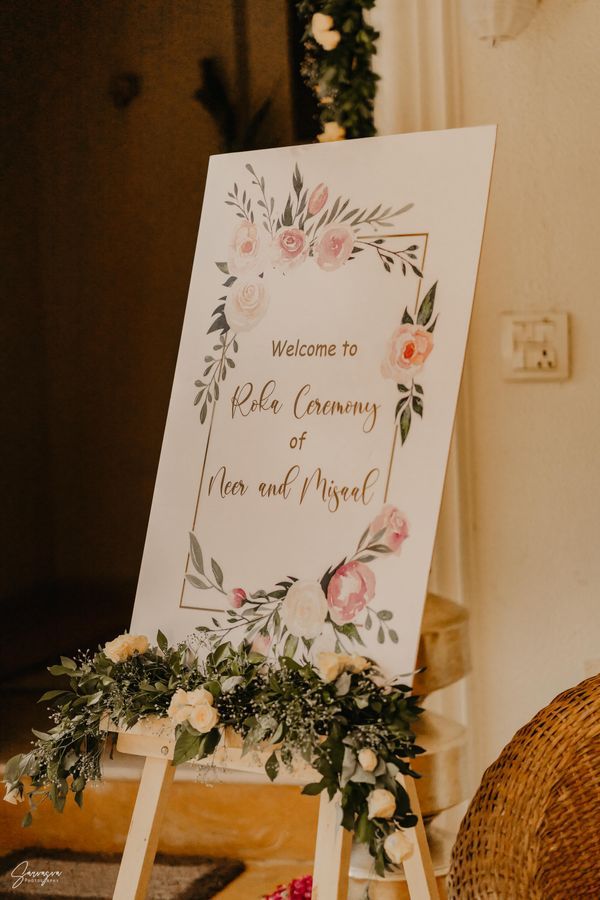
(103, 201)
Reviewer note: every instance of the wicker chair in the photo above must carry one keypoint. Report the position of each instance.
(532, 831)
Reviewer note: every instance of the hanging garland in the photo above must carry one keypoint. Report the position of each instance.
(339, 47)
(340, 716)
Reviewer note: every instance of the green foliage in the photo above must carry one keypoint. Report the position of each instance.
(285, 707)
(343, 78)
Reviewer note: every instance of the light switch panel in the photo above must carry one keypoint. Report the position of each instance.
(535, 346)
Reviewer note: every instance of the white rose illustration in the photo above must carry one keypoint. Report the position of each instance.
(304, 609)
(246, 304)
(245, 250)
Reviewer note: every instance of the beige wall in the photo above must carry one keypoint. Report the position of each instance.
(536, 608)
(528, 454)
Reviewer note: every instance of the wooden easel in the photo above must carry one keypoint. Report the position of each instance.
(332, 854)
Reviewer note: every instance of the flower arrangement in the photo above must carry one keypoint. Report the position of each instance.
(340, 715)
(339, 44)
(291, 615)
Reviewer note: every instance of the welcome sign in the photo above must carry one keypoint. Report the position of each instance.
(306, 442)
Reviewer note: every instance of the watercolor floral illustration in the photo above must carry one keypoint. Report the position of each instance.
(405, 355)
(309, 227)
(296, 613)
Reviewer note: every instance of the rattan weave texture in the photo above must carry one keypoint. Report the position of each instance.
(532, 831)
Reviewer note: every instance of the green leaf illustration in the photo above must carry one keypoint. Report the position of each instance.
(196, 554)
(217, 572)
(197, 583)
(417, 405)
(405, 420)
(426, 307)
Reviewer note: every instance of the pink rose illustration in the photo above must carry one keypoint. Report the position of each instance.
(407, 350)
(334, 247)
(349, 591)
(394, 525)
(237, 597)
(245, 250)
(318, 199)
(246, 304)
(290, 247)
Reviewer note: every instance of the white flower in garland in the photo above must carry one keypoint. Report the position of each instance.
(398, 847)
(368, 759)
(323, 31)
(203, 718)
(331, 132)
(331, 665)
(125, 646)
(381, 803)
(188, 705)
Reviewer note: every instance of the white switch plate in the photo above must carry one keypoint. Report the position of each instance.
(535, 346)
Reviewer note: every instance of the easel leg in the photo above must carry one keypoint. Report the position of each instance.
(418, 868)
(332, 854)
(142, 838)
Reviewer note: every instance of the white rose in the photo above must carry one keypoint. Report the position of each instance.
(382, 804)
(368, 759)
(398, 847)
(200, 697)
(304, 609)
(179, 708)
(331, 132)
(330, 665)
(203, 718)
(321, 22)
(356, 664)
(246, 304)
(328, 39)
(321, 25)
(124, 646)
(14, 795)
(138, 643)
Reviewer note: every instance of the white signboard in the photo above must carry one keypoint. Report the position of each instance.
(306, 442)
